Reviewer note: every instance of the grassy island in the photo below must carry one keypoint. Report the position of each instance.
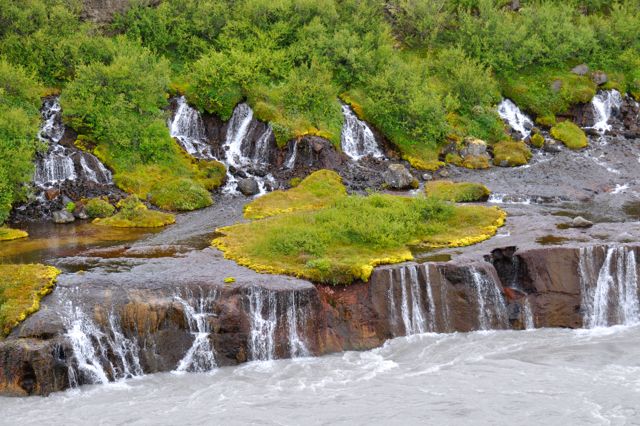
(21, 288)
(8, 234)
(134, 214)
(346, 238)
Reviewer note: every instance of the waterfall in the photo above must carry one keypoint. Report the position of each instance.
(518, 121)
(99, 356)
(266, 317)
(201, 355)
(187, 128)
(605, 105)
(292, 159)
(417, 316)
(357, 139)
(431, 312)
(261, 149)
(392, 303)
(610, 291)
(529, 323)
(490, 302)
(239, 128)
(61, 163)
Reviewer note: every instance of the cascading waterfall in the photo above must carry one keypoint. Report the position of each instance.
(418, 316)
(357, 140)
(201, 355)
(187, 128)
(292, 159)
(491, 304)
(59, 163)
(605, 105)
(518, 121)
(99, 356)
(609, 291)
(529, 322)
(265, 311)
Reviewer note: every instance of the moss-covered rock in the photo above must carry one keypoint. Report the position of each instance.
(7, 234)
(134, 214)
(457, 192)
(511, 153)
(21, 288)
(537, 140)
(99, 208)
(570, 134)
(316, 191)
(474, 162)
(454, 159)
(180, 194)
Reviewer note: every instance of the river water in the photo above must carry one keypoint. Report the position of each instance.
(543, 376)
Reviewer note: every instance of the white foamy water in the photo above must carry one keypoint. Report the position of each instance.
(605, 104)
(510, 113)
(543, 376)
(187, 128)
(356, 139)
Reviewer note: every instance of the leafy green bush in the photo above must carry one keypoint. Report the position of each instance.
(180, 194)
(100, 208)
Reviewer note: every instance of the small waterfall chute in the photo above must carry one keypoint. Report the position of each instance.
(357, 139)
(518, 121)
(529, 322)
(201, 355)
(187, 127)
(291, 162)
(606, 104)
(491, 305)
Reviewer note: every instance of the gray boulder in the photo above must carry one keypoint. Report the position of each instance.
(80, 212)
(475, 147)
(248, 187)
(581, 222)
(551, 146)
(599, 78)
(63, 216)
(556, 85)
(398, 177)
(581, 69)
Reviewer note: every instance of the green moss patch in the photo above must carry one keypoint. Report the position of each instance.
(537, 141)
(347, 239)
(21, 289)
(474, 162)
(180, 194)
(456, 192)
(316, 191)
(570, 134)
(515, 153)
(7, 234)
(100, 208)
(134, 214)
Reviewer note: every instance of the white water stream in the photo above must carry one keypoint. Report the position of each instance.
(356, 139)
(187, 128)
(515, 118)
(606, 104)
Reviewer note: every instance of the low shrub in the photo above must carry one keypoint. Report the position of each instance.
(180, 194)
(100, 208)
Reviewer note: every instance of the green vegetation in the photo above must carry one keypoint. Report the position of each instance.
(180, 194)
(570, 134)
(8, 234)
(474, 162)
(514, 153)
(456, 192)
(19, 123)
(318, 190)
(21, 288)
(99, 208)
(134, 214)
(346, 239)
(537, 140)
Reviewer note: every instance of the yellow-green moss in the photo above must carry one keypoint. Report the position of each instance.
(454, 159)
(456, 192)
(99, 208)
(180, 194)
(294, 182)
(21, 289)
(537, 141)
(474, 162)
(134, 214)
(7, 234)
(570, 134)
(316, 191)
(515, 153)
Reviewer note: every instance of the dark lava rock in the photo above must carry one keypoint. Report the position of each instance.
(398, 177)
(51, 193)
(63, 216)
(66, 200)
(80, 212)
(551, 146)
(248, 187)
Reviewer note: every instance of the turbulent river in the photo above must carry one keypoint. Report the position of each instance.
(543, 376)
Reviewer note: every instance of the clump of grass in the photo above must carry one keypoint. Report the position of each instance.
(180, 194)
(316, 191)
(98, 207)
(457, 192)
(7, 234)
(515, 153)
(537, 140)
(474, 162)
(346, 239)
(134, 214)
(21, 288)
(570, 134)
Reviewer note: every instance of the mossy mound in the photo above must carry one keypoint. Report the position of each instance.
(134, 214)
(454, 159)
(180, 195)
(7, 234)
(21, 288)
(316, 191)
(100, 208)
(514, 153)
(456, 192)
(346, 240)
(475, 162)
(570, 134)
(537, 141)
